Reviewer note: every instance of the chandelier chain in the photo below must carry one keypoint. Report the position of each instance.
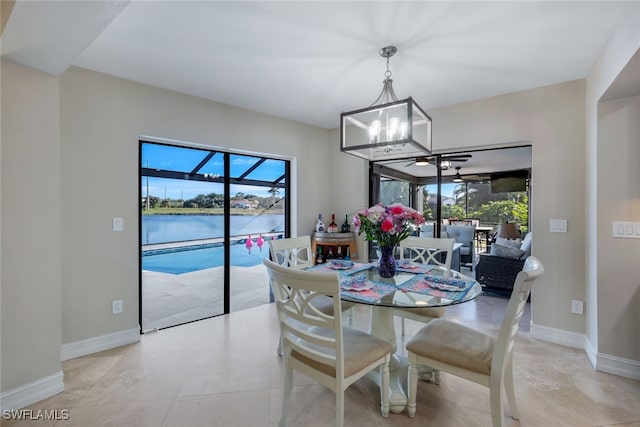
(387, 94)
(387, 73)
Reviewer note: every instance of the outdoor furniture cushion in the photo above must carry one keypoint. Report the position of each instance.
(506, 251)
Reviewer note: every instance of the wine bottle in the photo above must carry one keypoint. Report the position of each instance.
(339, 254)
(345, 226)
(329, 255)
(320, 224)
(347, 257)
(332, 227)
(319, 258)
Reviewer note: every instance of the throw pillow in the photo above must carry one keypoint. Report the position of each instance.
(512, 243)
(506, 251)
(526, 244)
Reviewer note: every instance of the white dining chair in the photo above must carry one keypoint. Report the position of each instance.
(473, 355)
(295, 252)
(425, 250)
(292, 252)
(316, 344)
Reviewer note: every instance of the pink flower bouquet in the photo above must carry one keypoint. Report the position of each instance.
(387, 225)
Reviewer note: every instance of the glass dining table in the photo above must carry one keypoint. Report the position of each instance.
(413, 286)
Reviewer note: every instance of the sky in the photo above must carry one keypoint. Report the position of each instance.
(186, 159)
(446, 189)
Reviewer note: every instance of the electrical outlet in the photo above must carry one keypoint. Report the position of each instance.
(577, 306)
(117, 306)
(118, 224)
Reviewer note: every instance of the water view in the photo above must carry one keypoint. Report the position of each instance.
(180, 228)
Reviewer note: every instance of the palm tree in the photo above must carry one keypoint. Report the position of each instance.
(274, 192)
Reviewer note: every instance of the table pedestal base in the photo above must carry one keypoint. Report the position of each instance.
(397, 376)
(382, 326)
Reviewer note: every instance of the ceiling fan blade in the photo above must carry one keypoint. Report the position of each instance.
(456, 156)
(455, 159)
(475, 177)
(393, 162)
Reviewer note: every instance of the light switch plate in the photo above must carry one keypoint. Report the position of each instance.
(626, 229)
(558, 225)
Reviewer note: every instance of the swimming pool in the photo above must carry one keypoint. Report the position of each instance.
(187, 259)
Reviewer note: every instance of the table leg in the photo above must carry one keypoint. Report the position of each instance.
(382, 326)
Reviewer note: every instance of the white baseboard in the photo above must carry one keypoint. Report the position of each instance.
(558, 336)
(618, 366)
(592, 354)
(36, 391)
(104, 342)
(601, 362)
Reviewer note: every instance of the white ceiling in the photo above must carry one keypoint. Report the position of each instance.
(309, 61)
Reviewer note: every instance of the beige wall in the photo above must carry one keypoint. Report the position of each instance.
(102, 119)
(552, 120)
(30, 267)
(618, 200)
(617, 341)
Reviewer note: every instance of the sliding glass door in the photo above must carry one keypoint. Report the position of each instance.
(205, 217)
(257, 215)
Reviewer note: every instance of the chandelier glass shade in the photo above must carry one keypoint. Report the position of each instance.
(389, 128)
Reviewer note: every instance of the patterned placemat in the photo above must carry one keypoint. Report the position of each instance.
(377, 292)
(414, 267)
(441, 287)
(357, 266)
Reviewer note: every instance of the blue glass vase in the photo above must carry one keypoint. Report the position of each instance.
(387, 262)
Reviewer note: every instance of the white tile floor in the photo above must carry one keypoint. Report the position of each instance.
(224, 371)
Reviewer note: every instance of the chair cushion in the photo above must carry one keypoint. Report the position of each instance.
(514, 243)
(454, 344)
(506, 251)
(461, 233)
(360, 350)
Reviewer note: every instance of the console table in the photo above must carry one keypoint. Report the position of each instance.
(334, 240)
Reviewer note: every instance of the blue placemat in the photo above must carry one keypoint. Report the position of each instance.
(414, 267)
(357, 267)
(378, 291)
(431, 285)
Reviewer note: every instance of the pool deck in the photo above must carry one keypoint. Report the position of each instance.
(173, 299)
(215, 240)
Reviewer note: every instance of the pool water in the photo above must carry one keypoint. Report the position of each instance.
(179, 260)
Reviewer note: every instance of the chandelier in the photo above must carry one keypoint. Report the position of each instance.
(389, 128)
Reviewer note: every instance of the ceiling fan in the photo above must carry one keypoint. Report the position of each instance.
(446, 160)
(457, 178)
